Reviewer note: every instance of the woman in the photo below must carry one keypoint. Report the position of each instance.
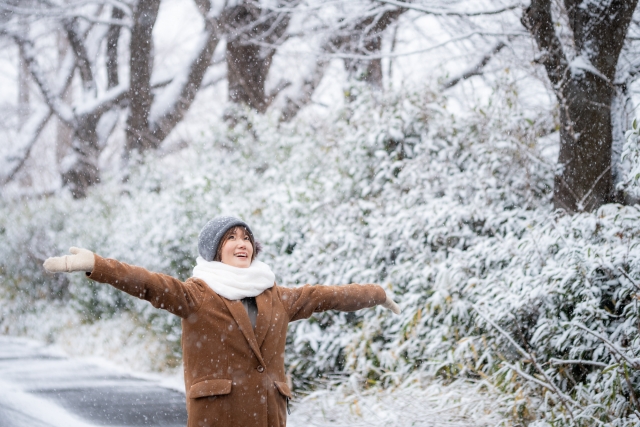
(234, 321)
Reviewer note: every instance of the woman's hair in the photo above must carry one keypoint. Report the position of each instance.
(257, 247)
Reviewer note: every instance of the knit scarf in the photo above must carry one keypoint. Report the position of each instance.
(235, 283)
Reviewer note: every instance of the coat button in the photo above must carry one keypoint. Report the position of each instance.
(260, 368)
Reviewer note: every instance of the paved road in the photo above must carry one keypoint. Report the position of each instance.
(39, 388)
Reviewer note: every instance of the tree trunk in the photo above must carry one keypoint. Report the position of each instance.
(249, 29)
(247, 72)
(585, 181)
(113, 38)
(64, 133)
(367, 70)
(140, 66)
(82, 171)
(365, 38)
(23, 94)
(585, 92)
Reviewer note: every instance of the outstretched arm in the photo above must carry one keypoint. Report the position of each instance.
(302, 302)
(161, 290)
(81, 260)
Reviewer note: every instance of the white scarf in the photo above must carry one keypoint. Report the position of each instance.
(235, 283)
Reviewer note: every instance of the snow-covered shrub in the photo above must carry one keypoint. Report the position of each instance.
(631, 154)
(450, 212)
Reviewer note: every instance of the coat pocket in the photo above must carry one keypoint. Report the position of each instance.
(283, 388)
(206, 388)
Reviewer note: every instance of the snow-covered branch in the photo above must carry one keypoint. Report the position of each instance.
(52, 99)
(538, 20)
(577, 362)
(172, 104)
(548, 383)
(27, 138)
(64, 12)
(475, 70)
(113, 41)
(82, 58)
(101, 104)
(436, 12)
(305, 93)
(635, 363)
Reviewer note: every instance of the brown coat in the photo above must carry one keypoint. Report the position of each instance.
(234, 376)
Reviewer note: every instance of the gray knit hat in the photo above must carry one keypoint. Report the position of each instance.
(212, 233)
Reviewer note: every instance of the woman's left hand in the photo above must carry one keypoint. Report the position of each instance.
(391, 305)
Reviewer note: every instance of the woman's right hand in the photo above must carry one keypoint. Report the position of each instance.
(390, 304)
(81, 260)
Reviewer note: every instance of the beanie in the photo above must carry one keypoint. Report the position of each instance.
(212, 233)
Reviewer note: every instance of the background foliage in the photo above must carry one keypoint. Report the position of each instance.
(450, 212)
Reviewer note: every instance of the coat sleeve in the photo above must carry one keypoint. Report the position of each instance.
(161, 290)
(303, 301)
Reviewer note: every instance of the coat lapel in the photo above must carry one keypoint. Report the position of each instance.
(241, 317)
(264, 302)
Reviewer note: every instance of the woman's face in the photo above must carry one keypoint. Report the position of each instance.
(237, 250)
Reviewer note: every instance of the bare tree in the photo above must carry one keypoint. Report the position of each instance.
(585, 90)
(153, 112)
(356, 36)
(579, 43)
(253, 34)
(362, 42)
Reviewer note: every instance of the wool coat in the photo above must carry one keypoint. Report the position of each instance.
(234, 375)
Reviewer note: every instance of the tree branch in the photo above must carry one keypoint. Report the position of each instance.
(113, 37)
(427, 11)
(98, 106)
(52, 99)
(566, 400)
(82, 58)
(140, 60)
(633, 362)
(476, 70)
(29, 135)
(282, 85)
(62, 12)
(577, 362)
(176, 99)
(311, 82)
(538, 20)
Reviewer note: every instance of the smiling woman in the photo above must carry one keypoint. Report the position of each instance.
(234, 321)
(237, 248)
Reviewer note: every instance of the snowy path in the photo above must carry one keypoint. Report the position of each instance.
(39, 388)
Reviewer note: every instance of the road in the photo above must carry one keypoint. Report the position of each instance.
(42, 388)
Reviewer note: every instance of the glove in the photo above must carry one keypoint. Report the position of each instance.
(81, 260)
(390, 304)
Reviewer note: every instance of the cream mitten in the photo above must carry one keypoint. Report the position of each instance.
(390, 304)
(81, 260)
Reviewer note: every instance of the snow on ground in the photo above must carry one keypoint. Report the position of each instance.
(420, 404)
(40, 386)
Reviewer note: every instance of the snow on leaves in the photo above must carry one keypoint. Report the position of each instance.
(450, 213)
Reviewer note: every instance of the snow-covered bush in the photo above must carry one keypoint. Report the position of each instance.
(450, 212)
(631, 154)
